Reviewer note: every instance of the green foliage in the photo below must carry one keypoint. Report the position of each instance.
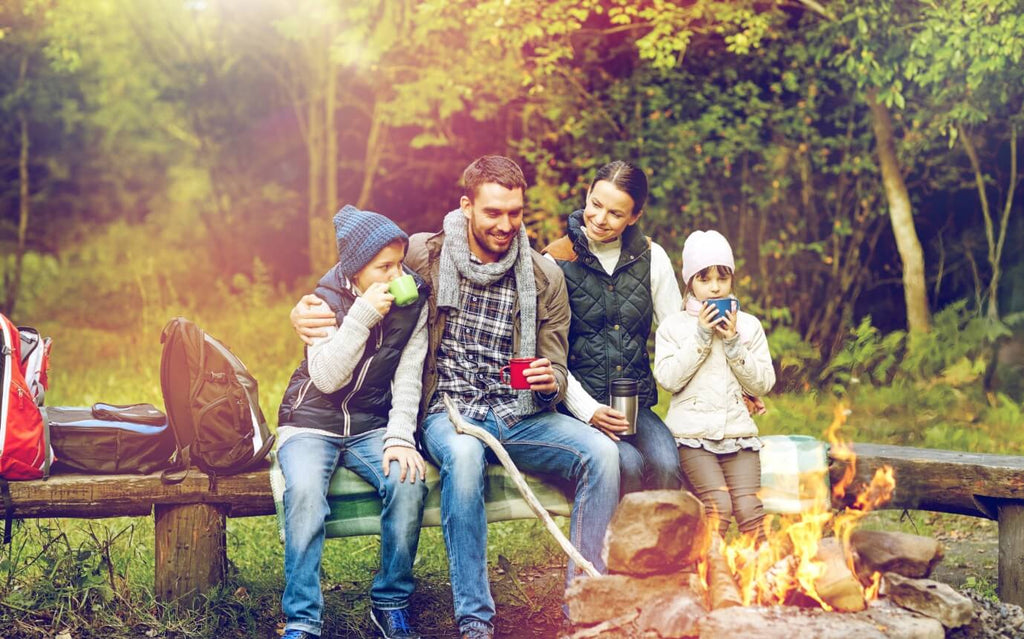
(953, 349)
(867, 356)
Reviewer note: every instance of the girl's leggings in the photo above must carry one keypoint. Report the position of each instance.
(728, 485)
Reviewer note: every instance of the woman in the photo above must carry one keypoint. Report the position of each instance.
(619, 282)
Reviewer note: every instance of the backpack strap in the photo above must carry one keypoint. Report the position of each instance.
(5, 490)
(47, 451)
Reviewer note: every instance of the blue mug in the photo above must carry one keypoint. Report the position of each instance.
(724, 305)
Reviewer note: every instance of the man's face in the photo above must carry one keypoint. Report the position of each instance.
(494, 217)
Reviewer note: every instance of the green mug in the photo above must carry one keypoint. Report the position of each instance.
(403, 288)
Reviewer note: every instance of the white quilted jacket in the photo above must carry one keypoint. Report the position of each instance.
(707, 377)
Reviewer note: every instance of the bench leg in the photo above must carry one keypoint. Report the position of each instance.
(191, 551)
(1011, 552)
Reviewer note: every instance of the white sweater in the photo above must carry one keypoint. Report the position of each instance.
(664, 293)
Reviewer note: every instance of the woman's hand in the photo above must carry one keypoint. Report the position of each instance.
(310, 317)
(409, 460)
(379, 298)
(609, 421)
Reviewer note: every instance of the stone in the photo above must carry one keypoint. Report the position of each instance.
(900, 553)
(593, 600)
(931, 598)
(671, 615)
(837, 585)
(656, 532)
(787, 622)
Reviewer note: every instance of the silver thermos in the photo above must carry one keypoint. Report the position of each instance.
(623, 393)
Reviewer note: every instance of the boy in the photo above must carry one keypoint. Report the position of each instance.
(353, 401)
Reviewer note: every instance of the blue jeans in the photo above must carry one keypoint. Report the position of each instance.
(308, 460)
(648, 459)
(547, 443)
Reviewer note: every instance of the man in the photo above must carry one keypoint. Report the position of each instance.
(493, 298)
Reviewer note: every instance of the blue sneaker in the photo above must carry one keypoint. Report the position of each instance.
(393, 624)
(298, 634)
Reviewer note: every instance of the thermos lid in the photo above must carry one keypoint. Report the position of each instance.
(624, 387)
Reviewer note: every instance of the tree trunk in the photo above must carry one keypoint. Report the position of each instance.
(900, 213)
(13, 283)
(331, 135)
(374, 145)
(321, 254)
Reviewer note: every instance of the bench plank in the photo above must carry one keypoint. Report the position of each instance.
(939, 480)
(93, 496)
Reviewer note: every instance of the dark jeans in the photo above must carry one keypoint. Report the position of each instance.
(648, 459)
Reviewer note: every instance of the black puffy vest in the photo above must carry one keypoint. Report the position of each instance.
(362, 404)
(611, 314)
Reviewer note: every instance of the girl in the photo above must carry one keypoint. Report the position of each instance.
(619, 282)
(708, 362)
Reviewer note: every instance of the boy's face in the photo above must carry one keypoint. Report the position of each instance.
(384, 267)
(714, 283)
(494, 217)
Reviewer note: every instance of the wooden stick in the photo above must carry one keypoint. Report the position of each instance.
(475, 431)
(722, 586)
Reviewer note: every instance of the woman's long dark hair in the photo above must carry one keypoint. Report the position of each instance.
(626, 177)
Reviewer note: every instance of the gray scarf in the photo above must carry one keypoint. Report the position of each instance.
(455, 261)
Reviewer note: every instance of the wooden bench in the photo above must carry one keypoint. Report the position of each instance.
(979, 485)
(191, 554)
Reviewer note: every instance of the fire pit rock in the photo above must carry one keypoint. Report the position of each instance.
(656, 532)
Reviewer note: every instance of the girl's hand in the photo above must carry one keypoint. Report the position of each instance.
(378, 297)
(409, 460)
(708, 316)
(609, 421)
(727, 329)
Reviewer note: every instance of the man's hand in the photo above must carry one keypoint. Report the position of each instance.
(541, 376)
(379, 298)
(309, 318)
(609, 421)
(409, 460)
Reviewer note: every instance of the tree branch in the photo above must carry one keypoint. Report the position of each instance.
(475, 431)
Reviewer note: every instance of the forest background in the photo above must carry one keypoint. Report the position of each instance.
(184, 157)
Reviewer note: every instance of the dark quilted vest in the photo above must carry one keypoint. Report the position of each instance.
(362, 404)
(611, 314)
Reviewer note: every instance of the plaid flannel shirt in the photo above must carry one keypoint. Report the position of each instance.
(476, 344)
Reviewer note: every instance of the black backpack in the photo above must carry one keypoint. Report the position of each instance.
(107, 438)
(212, 404)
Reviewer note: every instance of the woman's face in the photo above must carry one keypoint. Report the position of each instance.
(609, 211)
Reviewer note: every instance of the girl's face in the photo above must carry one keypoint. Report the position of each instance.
(384, 267)
(608, 213)
(711, 283)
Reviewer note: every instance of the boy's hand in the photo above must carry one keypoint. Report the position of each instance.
(541, 376)
(609, 421)
(379, 298)
(727, 329)
(409, 460)
(309, 318)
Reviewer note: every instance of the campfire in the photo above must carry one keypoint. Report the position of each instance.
(816, 574)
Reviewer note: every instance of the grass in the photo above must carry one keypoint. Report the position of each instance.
(93, 578)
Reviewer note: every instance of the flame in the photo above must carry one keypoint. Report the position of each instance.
(784, 563)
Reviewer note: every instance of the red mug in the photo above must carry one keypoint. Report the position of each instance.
(515, 369)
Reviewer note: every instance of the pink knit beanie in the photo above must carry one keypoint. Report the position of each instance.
(703, 249)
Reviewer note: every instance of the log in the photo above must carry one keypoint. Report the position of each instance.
(91, 496)
(938, 480)
(191, 552)
(1011, 553)
(838, 586)
(461, 426)
(722, 587)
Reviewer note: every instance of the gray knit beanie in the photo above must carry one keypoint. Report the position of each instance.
(361, 235)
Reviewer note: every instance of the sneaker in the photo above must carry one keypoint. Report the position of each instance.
(475, 632)
(298, 634)
(393, 624)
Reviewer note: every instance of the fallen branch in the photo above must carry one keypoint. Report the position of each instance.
(461, 426)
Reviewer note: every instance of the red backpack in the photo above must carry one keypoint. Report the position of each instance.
(24, 443)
